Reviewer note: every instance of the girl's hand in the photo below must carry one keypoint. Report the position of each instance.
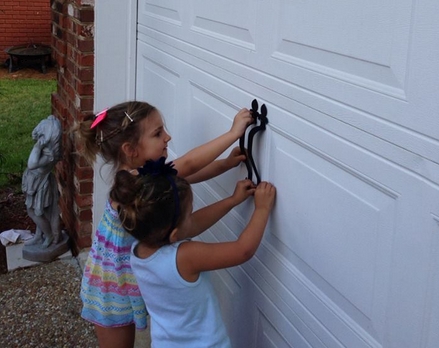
(241, 121)
(235, 158)
(264, 196)
(243, 190)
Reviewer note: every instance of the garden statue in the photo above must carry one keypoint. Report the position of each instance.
(41, 192)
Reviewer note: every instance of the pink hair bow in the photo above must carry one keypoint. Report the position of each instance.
(99, 118)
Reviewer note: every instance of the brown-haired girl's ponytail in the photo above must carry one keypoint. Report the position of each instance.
(85, 139)
(150, 206)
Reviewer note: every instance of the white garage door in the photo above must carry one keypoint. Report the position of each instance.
(351, 254)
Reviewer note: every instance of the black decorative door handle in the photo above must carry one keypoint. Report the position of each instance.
(249, 161)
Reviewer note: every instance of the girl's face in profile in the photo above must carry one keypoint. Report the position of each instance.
(154, 141)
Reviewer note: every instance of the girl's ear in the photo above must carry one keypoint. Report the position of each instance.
(173, 236)
(129, 150)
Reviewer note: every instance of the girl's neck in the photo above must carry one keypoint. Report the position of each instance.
(124, 167)
(128, 169)
(143, 251)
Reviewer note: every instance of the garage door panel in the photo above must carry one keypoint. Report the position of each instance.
(431, 334)
(356, 82)
(275, 300)
(364, 130)
(379, 136)
(305, 305)
(414, 268)
(270, 276)
(217, 116)
(204, 26)
(399, 144)
(307, 317)
(225, 24)
(362, 40)
(294, 291)
(161, 10)
(332, 30)
(315, 228)
(288, 157)
(190, 93)
(373, 101)
(345, 125)
(269, 334)
(260, 308)
(162, 80)
(352, 147)
(234, 311)
(310, 43)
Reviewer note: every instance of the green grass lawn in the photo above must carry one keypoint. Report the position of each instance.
(23, 104)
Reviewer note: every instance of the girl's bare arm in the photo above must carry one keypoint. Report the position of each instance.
(195, 257)
(203, 155)
(217, 167)
(205, 217)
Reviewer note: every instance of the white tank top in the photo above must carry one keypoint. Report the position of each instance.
(183, 314)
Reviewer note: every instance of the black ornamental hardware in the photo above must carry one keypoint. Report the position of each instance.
(260, 123)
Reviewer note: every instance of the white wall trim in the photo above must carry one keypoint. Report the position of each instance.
(114, 72)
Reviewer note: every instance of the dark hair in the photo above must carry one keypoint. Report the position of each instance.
(116, 124)
(147, 205)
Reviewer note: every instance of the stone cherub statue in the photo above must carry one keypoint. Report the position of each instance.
(39, 183)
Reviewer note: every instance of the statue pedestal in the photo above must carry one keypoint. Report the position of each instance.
(38, 254)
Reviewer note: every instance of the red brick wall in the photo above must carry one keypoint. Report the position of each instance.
(73, 52)
(23, 22)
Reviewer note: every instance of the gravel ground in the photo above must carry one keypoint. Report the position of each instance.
(40, 308)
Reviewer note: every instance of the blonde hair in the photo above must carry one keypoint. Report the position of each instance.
(121, 127)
